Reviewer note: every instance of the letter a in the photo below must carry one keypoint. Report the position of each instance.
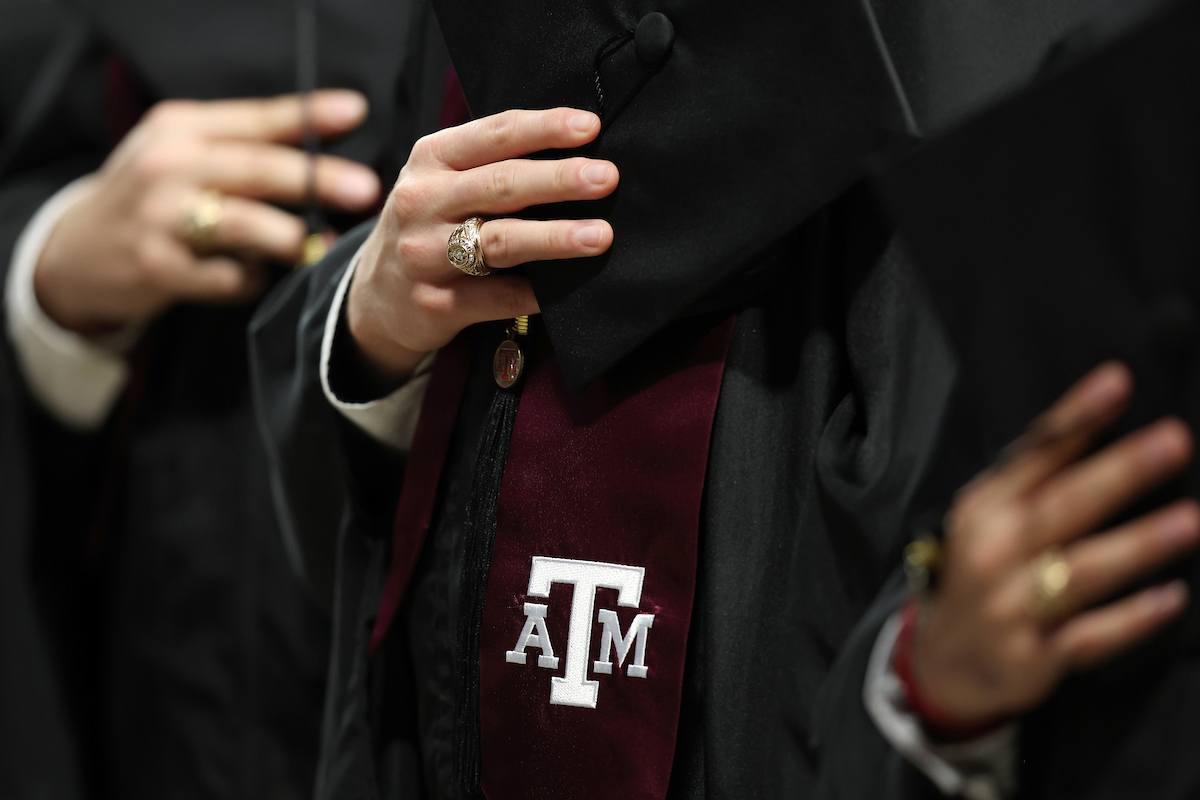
(534, 634)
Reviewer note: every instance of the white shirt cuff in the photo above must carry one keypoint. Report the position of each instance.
(390, 420)
(76, 379)
(978, 769)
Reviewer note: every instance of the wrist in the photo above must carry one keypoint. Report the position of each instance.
(63, 280)
(939, 719)
(60, 299)
(359, 377)
(375, 356)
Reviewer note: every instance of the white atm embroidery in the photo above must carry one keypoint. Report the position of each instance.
(574, 688)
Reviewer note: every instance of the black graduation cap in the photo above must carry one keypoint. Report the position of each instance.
(1058, 230)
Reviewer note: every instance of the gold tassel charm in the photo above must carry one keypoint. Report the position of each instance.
(315, 248)
(508, 362)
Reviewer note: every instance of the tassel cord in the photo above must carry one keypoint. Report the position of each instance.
(480, 535)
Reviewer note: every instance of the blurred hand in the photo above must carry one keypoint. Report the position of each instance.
(406, 298)
(121, 254)
(985, 647)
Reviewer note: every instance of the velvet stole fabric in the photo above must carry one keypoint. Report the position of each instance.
(613, 474)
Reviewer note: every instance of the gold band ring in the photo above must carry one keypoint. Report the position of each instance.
(1051, 577)
(201, 221)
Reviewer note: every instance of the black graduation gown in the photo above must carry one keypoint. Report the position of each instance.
(38, 730)
(833, 390)
(169, 632)
(1079, 185)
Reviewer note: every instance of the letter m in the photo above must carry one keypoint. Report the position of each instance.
(638, 629)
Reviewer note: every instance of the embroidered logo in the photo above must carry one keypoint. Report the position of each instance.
(574, 688)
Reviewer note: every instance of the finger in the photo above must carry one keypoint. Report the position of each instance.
(259, 229)
(493, 298)
(1096, 636)
(1088, 493)
(510, 134)
(220, 279)
(510, 186)
(275, 119)
(271, 172)
(509, 242)
(1065, 431)
(1103, 564)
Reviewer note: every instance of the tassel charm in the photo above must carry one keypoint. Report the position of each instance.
(508, 362)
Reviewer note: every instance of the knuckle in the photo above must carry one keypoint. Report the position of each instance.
(169, 113)
(409, 199)
(239, 226)
(151, 262)
(565, 172)
(980, 559)
(496, 241)
(502, 184)
(512, 300)
(555, 240)
(432, 300)
(975, 516)
(556, 119)
(425, 148)
(1052, 512)
(157, 161)
(501, 128)
(1007, 521)
(410, 250)
(259, 173)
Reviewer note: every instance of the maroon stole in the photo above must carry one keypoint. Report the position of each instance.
(589, 595)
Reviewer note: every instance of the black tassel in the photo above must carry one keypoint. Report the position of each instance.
(477, 560)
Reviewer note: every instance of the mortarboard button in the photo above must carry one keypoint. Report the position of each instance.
(653, 38)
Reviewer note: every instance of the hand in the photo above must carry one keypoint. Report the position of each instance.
(406, 299)
(983, 648)
(119, 255)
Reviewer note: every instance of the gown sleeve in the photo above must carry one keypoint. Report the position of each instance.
(322, 467)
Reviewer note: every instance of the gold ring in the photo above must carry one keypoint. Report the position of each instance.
(1050, 580)
(200, 223)
(464, 250)
(922, 563)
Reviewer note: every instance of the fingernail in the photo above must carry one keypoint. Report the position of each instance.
(583, 121)
(1167, 441)
(1109, 384)
(597, 173)
(1169, 598)
(345, 106)
(1181, 525)
(358, 187)
(588, 236)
